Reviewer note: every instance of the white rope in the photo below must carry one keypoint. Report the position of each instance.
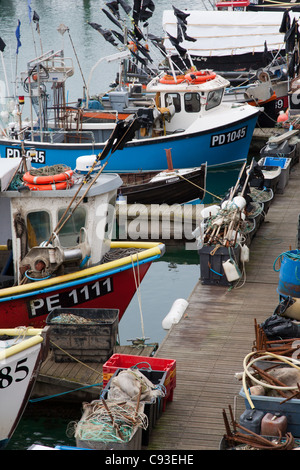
(138, 290)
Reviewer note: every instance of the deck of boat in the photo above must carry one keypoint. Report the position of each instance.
(217, 332)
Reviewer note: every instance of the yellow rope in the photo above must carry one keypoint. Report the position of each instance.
(68, 354)
(197, 186)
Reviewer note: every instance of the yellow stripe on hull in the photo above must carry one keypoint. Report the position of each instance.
(20, 347)
(151, 249)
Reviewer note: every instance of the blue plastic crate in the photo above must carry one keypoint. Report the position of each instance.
(276, 161)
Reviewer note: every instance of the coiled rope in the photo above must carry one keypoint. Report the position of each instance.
(288, 254)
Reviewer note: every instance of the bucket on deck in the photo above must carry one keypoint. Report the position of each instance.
(289, 273)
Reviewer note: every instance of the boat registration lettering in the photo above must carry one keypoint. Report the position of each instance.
(68, 299)
(37, 156)
(9, 375)
(228, 137)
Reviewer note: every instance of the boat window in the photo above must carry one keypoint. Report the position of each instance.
(69, 233)
(214, 98)
(173, 98)
(38, 227)
(192, 102)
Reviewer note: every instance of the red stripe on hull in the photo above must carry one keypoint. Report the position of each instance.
(115, 291)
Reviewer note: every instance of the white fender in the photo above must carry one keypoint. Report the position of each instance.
(175, 314)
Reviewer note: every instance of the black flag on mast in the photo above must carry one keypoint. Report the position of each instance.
(181, 51)
(125, 6)
(105, 33)
(182, 25)
(114, 8)
(112, 18)
(2, 45)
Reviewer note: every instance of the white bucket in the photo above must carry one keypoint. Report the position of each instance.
(175, 314)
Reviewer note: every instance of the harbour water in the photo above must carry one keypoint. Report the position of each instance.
(172, 277)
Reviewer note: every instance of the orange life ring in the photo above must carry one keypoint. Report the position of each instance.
(200, 76)
(32, 179)
(169, 80)
(51, 187)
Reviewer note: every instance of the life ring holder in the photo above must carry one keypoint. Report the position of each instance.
(48, 179)
(51, 187)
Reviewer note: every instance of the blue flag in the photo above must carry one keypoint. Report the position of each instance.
(29, 9)
(18, 34)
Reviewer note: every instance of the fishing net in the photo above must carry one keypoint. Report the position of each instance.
(264, 195)
(49, 170)
(110, 421)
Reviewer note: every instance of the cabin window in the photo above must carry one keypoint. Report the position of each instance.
(192, 102)
(38, 227)
(69, 233)
(173, 98)
(214, 98)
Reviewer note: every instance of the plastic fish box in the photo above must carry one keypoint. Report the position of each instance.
(92, 340)
(124, 361)
(285, 164)
(152, 408)
(290, 409)
(211, 267)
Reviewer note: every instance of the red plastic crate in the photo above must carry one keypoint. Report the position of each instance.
(125, 361)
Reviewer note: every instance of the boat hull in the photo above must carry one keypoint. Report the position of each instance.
(172, 190)
(19, 372)
(218, 146)
(109, 287)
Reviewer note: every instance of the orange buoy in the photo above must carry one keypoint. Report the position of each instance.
(282, 116)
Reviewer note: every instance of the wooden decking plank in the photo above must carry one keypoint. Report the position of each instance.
(217, 332)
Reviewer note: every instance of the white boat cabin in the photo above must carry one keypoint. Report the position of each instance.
(180, 101)
(29, 218)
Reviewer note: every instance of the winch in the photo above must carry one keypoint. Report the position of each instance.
(43, 261)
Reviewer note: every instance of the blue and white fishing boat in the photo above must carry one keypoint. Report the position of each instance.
(185, 113)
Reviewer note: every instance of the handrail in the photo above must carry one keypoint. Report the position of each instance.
(22, 346)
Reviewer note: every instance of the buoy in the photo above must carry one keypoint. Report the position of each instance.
(210, 211)
(85, 163)
(282, 117)
(175, 314)
(240, 202)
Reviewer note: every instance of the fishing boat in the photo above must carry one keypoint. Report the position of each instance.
(22, 351)
(238, 43)
(167, 187)
(58, 251)
(257, 5)
(187, 115)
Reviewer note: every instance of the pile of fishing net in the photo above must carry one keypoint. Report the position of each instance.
(110, 421)
(117, 417)
(129, 383)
